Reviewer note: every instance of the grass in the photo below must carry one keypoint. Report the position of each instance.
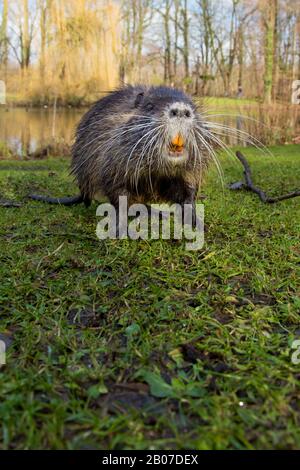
(142, 344)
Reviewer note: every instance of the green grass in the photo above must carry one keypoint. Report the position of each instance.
(142, 344)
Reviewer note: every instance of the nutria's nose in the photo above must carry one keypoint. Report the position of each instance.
(182, 112)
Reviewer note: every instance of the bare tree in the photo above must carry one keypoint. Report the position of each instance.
(268, 9)
(242, 19)
(4, 35)
(25, 37)
(245, 47)
(224, 55)
(183, 25)
(22, 33)
(44, 10)
(164, 10)
(137, 16)
(176, 35)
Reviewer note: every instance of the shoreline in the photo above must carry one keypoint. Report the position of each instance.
(14, 105)
(16, 102)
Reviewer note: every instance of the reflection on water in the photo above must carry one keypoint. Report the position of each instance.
(25, 131)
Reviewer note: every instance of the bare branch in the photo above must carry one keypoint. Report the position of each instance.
(249, 185)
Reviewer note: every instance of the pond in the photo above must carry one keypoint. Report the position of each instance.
(24, 130)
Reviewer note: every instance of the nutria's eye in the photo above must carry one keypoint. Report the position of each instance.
(139, 99)
(149, 107)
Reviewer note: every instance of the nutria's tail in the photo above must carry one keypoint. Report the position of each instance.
(65, 201)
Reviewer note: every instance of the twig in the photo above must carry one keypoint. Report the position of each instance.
(249, 185)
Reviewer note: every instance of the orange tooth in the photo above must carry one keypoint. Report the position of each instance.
(177, 141)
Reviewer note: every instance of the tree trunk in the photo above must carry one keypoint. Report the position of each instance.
(25, 46)
(140, 38)
(269, 27)
(197, 87)
(3, 35)
(43, 35)
(240, 60)
(175, 58)
(296, 44)
(275, 52)
(167, 55)
(186, 51)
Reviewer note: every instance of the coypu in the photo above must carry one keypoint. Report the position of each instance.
(146, 143)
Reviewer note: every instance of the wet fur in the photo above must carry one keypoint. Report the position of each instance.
(102, 154)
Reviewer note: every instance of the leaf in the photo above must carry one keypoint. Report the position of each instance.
(177, 357)
(230, 299)
(195, 390)
(210, 255)
(158, 387)
(132, 330)
(95, 390)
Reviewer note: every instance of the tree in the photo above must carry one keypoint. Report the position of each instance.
(164, 9)
(44, 9)
(4, 35)
(221, 43)
(242, 19)
(137, 16)
(25, 37)
(22, 33)
(176, 36)
(294, 13)
(184, 27)
(268, 8)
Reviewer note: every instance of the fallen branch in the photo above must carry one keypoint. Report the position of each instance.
(249, 185)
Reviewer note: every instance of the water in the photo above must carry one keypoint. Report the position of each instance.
(26, 130)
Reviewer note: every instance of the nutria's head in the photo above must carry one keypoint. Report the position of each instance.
(166, 121)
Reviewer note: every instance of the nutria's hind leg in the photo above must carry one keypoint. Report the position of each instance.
(180, 192)
(191, 199)
(114, 199)
(87, 202)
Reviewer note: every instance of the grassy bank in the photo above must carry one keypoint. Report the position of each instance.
(123, 344)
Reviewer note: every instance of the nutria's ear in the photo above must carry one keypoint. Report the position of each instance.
(139, 98)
